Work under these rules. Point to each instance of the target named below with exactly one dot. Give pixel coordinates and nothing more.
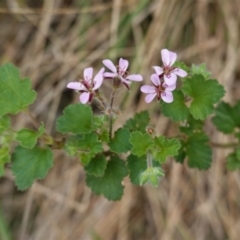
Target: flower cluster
(163, 80)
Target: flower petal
(170, 79)
(135, 77)
(155, 79)
(172, 58)
(167, 96)
(158, 70)
(165, 57)
(123, 64)
(169, 88)
(150, 97)
(110, 75)
(84, 97)
(108, 63)
(98, 79)
(88, 73)
(180, 72)
(148, 89)
(76, 85)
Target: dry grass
(52, 41)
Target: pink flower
(88, 85)
(120, 72)
(168, 71)
(159, 90)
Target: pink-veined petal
(148, 89)
(76, 85)
(172, 58)
(88, 74)
(110, 75)
(150, 97)
(123, 64)
(170, 79)
(98, 79)
(155, 79)
(109, 64)
(165, 57)
(167, 96)
(169, 88)
(158, 70)
(135, 77)
(84, 97)
(180, 72)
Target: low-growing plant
(134, 149)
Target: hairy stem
(33, 119)
(149, 160)
(224, 145)
(110, 115)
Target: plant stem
(33, 119)
(224, 145)
(149, 160)
(110, 114)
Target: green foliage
(4, 158)
(101, 127)
(204, 94)
(85, 146)
(227, 118)
(198, 151)
(200, 69)
(192, 125)
(138, 123)
(96, 166)
(181, 153)
(177, 110)
(30, 164)
(120, 143)
(15, 93)
(151, 175)
(136, 166)
(233, 160)
(165, 147)
(110, 184)
(28, 138)
(141, 143)
(76, 119)
(4, 123)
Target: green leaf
(200, 69)
(192, 125)
(4, 124)
(141, 143)
(181, 154)
(110, 184)
(120, 143)
(4, 158)
(97, 166)
(227, 118)
(15, 93)
(138, 123)
(28, 138)
(136, 166)
(152, 176)
(76, 119)
(233, 160)
(198, 151)
(164, 148)
(30, 164)
(204, 94)
(177, 110)
(85, 146)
